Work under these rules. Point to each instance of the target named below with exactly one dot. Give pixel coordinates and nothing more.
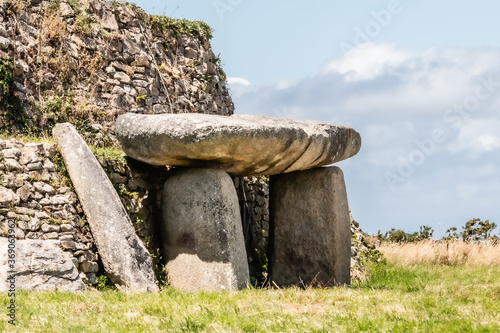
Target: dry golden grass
(442, 253)
(54, 29)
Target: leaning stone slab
(310, 234)
(125, 259)
(241, 145)
(202, 232)
(39, 265)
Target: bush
(475, 230)
(400, 236)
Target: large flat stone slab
(241, 145)
(310, 234)
(202, 232)
(39, 265)
(126, 261)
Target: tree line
(474, 230)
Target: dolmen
(310, 237)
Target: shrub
(475, 230)
(400, 236)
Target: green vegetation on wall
(9, 102)
(180, 26)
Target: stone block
(202, 231)
(310, 236)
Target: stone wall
(363, 251)
(253, 194)
(86, 61)
(35, 193)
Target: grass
(180, 26)
(109, 153)
(24, 138)
(422, 298)
(442, 253)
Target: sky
(419, 80)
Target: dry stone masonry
(51, 229)
(86, 61)
(253, 195)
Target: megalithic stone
(126, 261)
(203, 236)
(310, 234)
(240, 145)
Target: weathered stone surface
(66, 10)
(310, 228)
(125, 258)
(8, 197)
(4, 43)
(24, 192)
(43, 188)
(240, 145)
(109, 21)
(40, 265)
(202, 231)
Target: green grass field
(393, 299)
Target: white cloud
(477, 136)
(381, 79)
(238, 86)
(395, 98)
(283, 85)
(238, 80)
(367, 61)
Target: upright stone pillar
(125, 258)
(202, 231)
(310, 235)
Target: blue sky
(420, 80)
